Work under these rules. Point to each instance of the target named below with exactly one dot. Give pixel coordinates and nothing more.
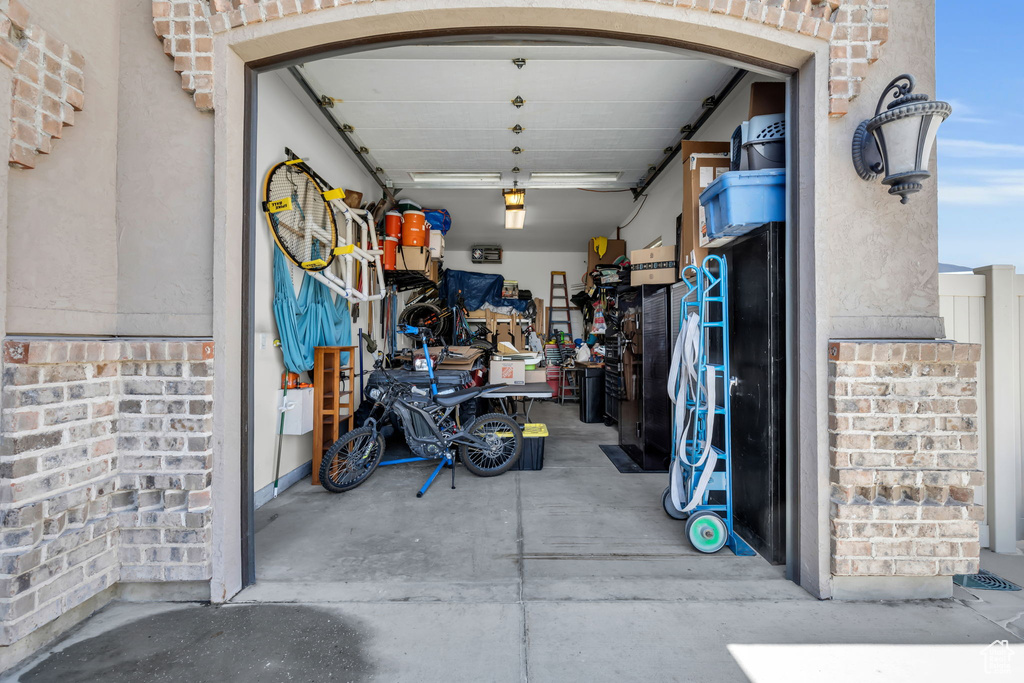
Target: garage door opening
(613, 145)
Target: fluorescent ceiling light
(581, 177)
(440, 177)
(515, 219)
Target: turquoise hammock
(314, 319)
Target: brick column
(106, 467)
(904, 459)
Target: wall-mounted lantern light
(898, 141)
(515, 207)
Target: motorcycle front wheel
(351, 460)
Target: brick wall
(49, 84)
(105, 471)
(856, 29)
(904, 458)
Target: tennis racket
(299, 215)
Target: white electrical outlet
(263, 341)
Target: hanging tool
(283, 407)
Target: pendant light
(515, 207)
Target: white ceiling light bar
(460, 178)
(575, 178)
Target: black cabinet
(645, 421)
(756, 297)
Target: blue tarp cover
(476, 289)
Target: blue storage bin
(739, 201)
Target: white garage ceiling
(447, 108)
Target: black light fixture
(898, 141)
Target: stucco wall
(284, 121)
(62, 258)
(165, 191)
(882, 267)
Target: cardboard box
(463, 357)
(653, 266)
(512, 333)
(699, 169)
(767, 98)
(616, 248)
(434, 271)
(507, 372)
(414, 258)
(540, 375)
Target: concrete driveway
(572, 573)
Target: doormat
(623, 463)
(986, 581)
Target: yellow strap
(336, 193)
(293, 161)
(315, 263)
(338, 251)
(279, 205)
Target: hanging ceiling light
(898, 141)
(515, 207)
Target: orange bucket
(393, 224)
(390, 252)
(414, 229)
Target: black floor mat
(623, 463)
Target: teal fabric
(316, 318)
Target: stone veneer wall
(904, 458)
(105, 471)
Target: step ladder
(559, 310)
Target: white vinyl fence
(987, 307)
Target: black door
(756, 291)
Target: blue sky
(979, 59)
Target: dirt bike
(488, 446)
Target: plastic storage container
(532, 457)
(765, 143)
(436, 245)
(739, 201)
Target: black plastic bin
(591, 394)
(532, 457)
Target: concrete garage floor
(572, 573)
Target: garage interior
(613, 145)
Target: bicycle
(489, 446)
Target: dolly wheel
(670, 509)
(707, 531)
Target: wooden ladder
(560, 303)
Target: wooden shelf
(329, 375)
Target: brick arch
(48, 84)
(855, 30)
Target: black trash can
(591, 394)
